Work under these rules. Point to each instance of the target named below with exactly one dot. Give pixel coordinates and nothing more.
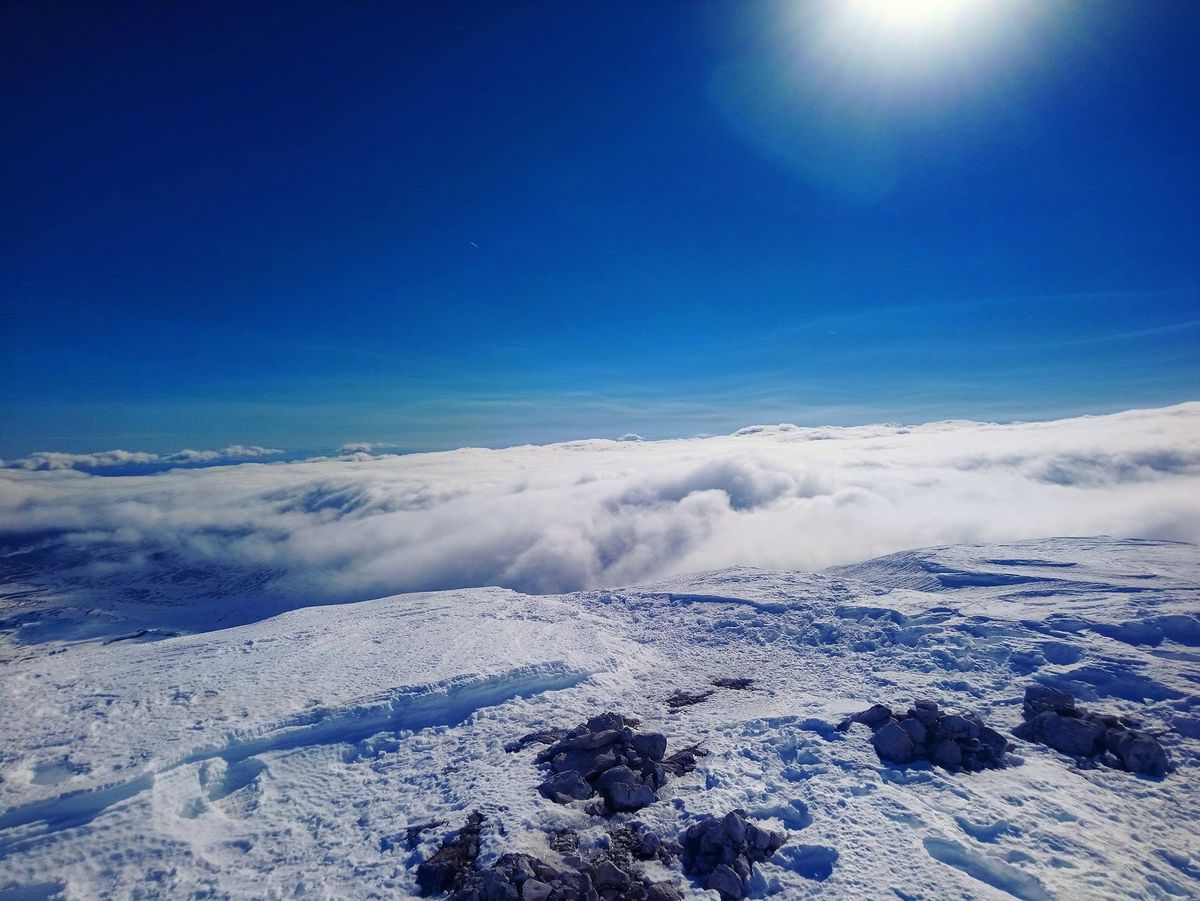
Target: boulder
(873, 716)
(721, 853)
(623, 796)
(450, 865)
(1073, 736)
(952, 741)
(893, 743)
(535, 890)
(1044, 697)
(947, 754)
(960, 728)
(1052, 718)
(916, 729)
(651, 745)
(565, 787)
(1141, 753)
(605, 751)
(663, 891)
(925, 711)
(726, 882)
(609, 876)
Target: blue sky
(443, 224)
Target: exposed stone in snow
(605, 756)
(721, 852)
(1052, 718)
(952, 742)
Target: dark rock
(588, 741)
(412, 834)
(996, 743)
(916, 729)
(609, 876)
(565, 787)
(739, 683)
(873, 718)
(651, 745)
(634, 841)
(959, 727)
(683, 761)
(654, 775)
(609, 873)
(544, 737)
(663, 891)
(1052, 718)
(606, 721)
(624, 796)
(454, 861)
(1141, 753)
(893, 743)
(1043, 697)
(947, 754)
(1074, 736)
(726, 882)
(584, 761)
(721, 853)
(617, 774)
(687, 699)
(535, 890)
(926, 712)
(951, 741)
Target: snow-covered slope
(287, 757)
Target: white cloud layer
(134, 460)
(600, 512)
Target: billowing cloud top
(602, 512)
(131, 462)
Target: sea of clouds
(605, 513)
(125, 462)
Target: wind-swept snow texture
(84, 555)
(287, 757)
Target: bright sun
(914, 16)
(890, 37)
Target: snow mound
(329, 750)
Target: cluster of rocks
(1053, 719)
(683, 698)
(454, 861)
(721, 852)
(951, 741)
(606, 875)
(605, 757)
(521, 877)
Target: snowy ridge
(288, 756)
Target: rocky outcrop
(721, 853)
(951, 741)
(453, 864)
(683, 698)
(542, 737)
(605, 757)
(1053, 718)
(611, 873)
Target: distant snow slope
(286, 757)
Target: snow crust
(286, 757)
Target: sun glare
(919, 38)
(912, 15)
